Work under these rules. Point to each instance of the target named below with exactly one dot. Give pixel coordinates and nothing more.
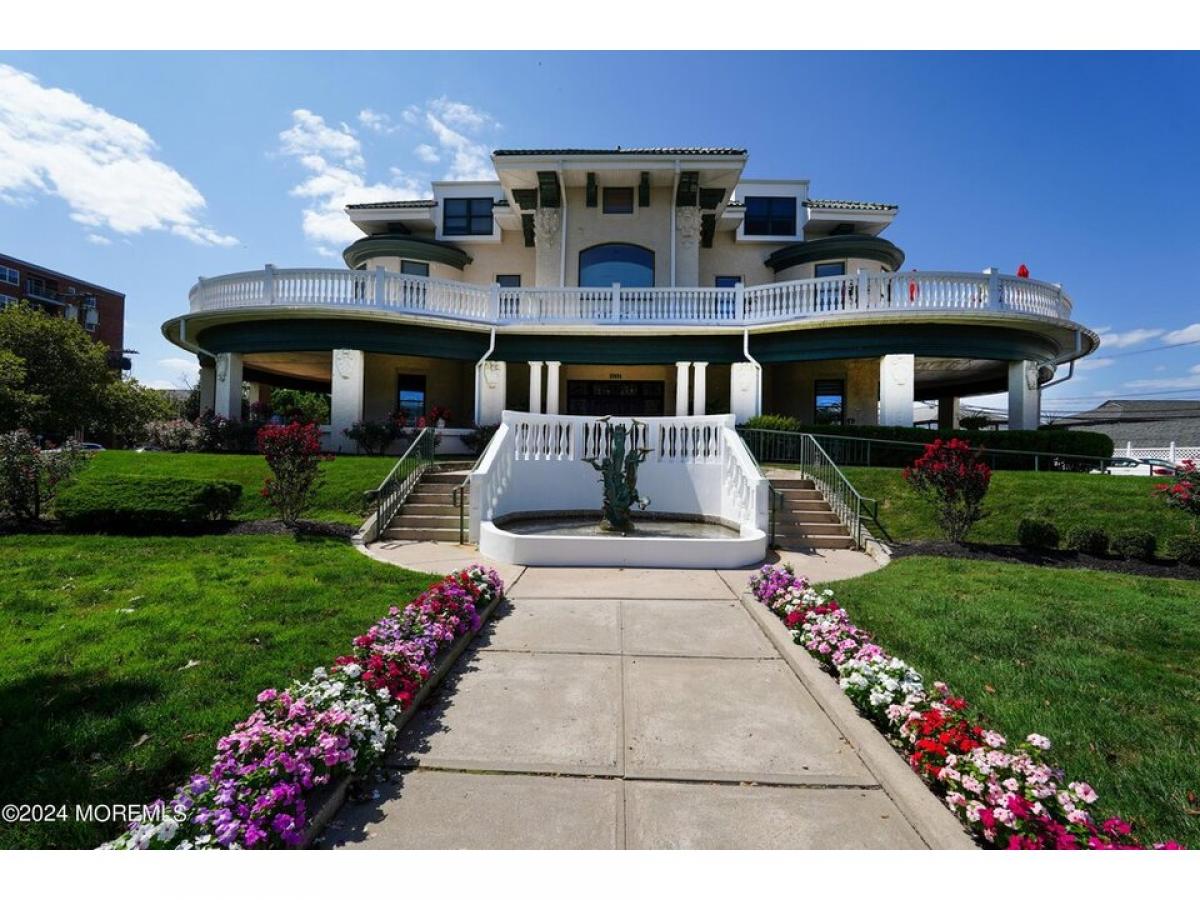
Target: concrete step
(432, 509)
(806, 529)
(799, 506)
(815, 542)
(449, 535)
(792, 494)
(792, 483)
(807, 515)
(431, 493)
(445, 476)
(408, 519)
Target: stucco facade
(656, 281)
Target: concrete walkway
(627, 708)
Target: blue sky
(165, 166)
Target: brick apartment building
(100, 310)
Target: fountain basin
(659, 541)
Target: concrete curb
(329, 799)
(935, 824)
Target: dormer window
(775, 216)
(467, 215)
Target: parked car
(91, 445)
(1123, 465)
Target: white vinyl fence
(1172, 452)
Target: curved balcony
(890, 294)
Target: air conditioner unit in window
(91, 317)
(71, 312)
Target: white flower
(1042, 743)
(352, 670)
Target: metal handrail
(843, 497)
(764, 443)
(459, 493)
(399, 482)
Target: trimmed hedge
(145, 501)
(1037, 534)
(1048, 441)
(1134, 543)
(1185, 547)
(1087, 539)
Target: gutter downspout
(478, 366)
(1060, 359)
(758, 369)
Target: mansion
(632, 282)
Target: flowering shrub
(374, 436)
(950, 476)
(293, 454)
(1006, 797)
(30, 476)
(176, 435)
(439, 414)
(338, 723)
(1183, 490)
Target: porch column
(681, 388)
(896, 389)
(743, 391)
(947, 412)
(552, 387)
(228, 400)
(255, 392)
(346, 396)
(208, 388)
(1024, 396)
(699, 387)
(535, 386)
(491, 390)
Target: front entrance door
(615, 398)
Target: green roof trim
(838, 246)
(405, 246)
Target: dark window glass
(607, 264)
(410, 396)
(508, 280)
(467, 215)
(771, 216)
(10, 276)
(728, 281)
(825, 270)
(408, 267)
(618, 200)
(830, 402)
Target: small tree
(1183, 490)
(950, 477)
(30, 476)
(293, 454)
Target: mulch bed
(1060, 559)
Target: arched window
(626, 264)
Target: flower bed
(299, 741)
(1006, 795)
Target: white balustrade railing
(863, 292)
(697, 465)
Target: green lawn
(1066, 498)
(1104, 665)
(124, 659)
(338, 500)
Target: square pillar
(535, 386)
(681, 387)
(346, 397)
(552, 387)
(491, 390)
(947, 413)
(743, 391)
(1024, 396)
(228, 390)
(896, 389)
(699, 388)
(208, 388)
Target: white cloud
(376, 121)
(427, 153)
(52, 142)
(180, 365)
(336, 177)
(1116, 339)
(99, 239)
(1090, 362)
(1183, 335)
(1191, 380)
(337, 170)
